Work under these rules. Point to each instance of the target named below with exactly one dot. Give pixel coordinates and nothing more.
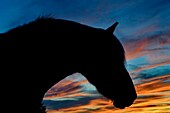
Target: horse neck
(49, 77)
(35, 88)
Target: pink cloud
(147, 45)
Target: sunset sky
(144, 30)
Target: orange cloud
(154, 85)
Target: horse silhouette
(38, 54)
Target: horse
(38, 54)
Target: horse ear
(112, 28)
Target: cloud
(148, 90)
(156, 45)
(75, 85)
(96, 105)
(154, 85)
(154, 72)
(65, 87)
(149, 96)
(63, 104)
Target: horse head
(109, 73)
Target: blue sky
(143, 29)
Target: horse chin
(122, 105)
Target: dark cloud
(154, 72)
(60, 104)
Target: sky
(144, 32)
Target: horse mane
(43, 21)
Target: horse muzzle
(122, 103)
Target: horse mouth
(122, 105)
(124, 101)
